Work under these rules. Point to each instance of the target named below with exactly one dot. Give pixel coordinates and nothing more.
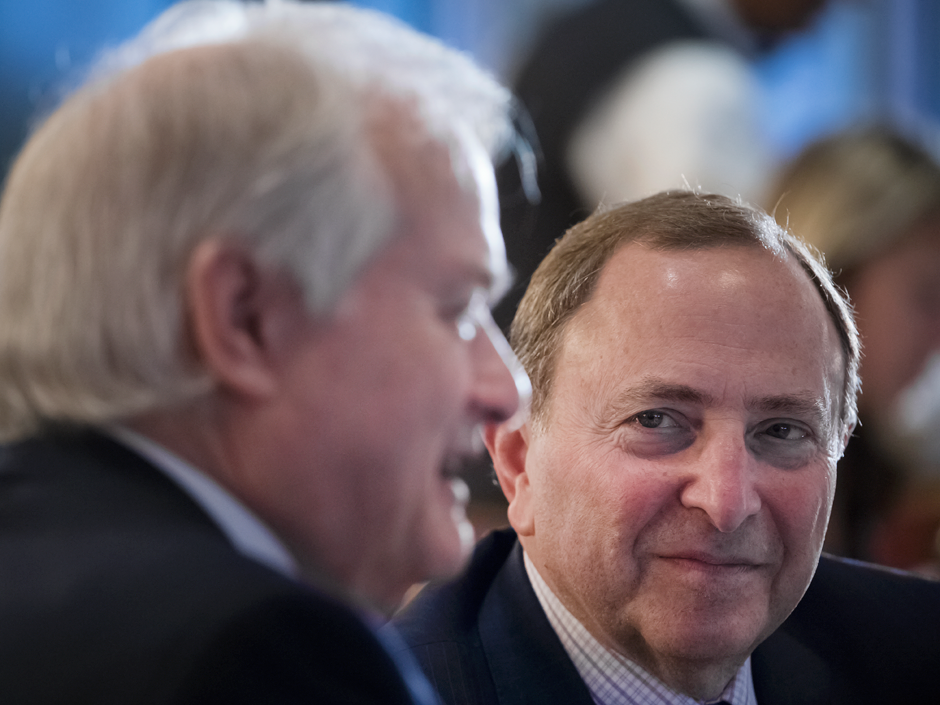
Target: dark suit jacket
(115, 587)
(860, 635)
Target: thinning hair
(669, 221)
(222, 119)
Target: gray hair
(221, 119)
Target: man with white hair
(244, 282)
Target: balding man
(694, 374)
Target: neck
(192, 433)
(702, 681)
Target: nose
(500, 381)
(722, 483)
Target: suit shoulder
(874, 628)
(116, 587)
(442, 625)
(296, 646)
(873, 599)
(448, 610)
(854, 582)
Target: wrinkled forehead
(730, 297)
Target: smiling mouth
(451, 474)
(461, 492)
(711, 564)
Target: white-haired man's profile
(244, 275)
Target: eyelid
(677, 418)
(657, 441)
(806, 427)
(784, 453)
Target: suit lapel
(526, 659)
(787, 673)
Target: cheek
(422, 389)
(594, 508)
(800, 504)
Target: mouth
(459, 499)
(452, 470)
(464, 454)
(703, 561)
(452, 467)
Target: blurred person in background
(245, 272)
(869, 200)
(627, 98)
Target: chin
(715, 641)
(450, 548)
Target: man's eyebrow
(800, 404)
(652, 388)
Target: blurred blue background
(861, 59)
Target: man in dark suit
(694, 374)
(244, 276)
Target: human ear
(509, 448)
(235, 308)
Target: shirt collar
(241, 526)
(613, 679)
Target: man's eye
(784, 444)
(655, 433)
(786, 431)
(655, 419)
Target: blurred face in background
(897, 304)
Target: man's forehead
(635, 267)
(721, 302)
(795, 401)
